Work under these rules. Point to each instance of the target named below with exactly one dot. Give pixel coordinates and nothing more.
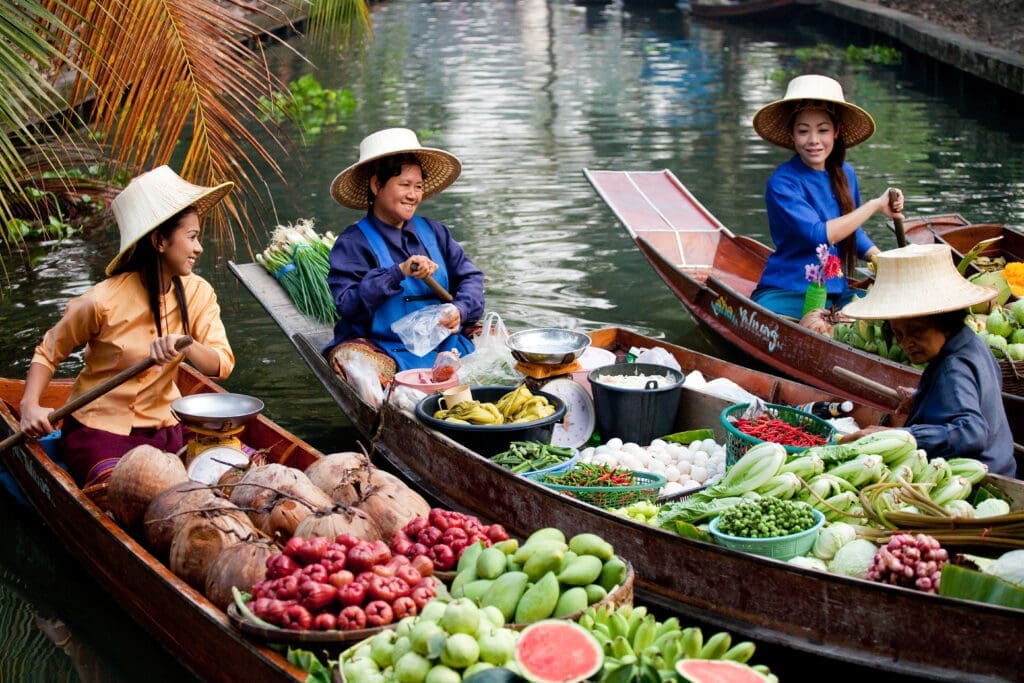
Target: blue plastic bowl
(556, 469)
(777, 547)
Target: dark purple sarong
(91, 454)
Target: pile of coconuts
(216, 537)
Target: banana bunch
(630, 637)
(522, 405)
(870, 336)
(472, 412)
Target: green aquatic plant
(872, 54)
(311, 107)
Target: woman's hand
(895, 210)
(35, 421)
(418, 267)
(451, 318)
(162, 350)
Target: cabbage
(1009, 567)
(959, 508)
(809, 563)
(832, 538)
(854, 558)
(991, 507)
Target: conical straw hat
(440, 168)
(772, 121)
(915, 281)
(153, 197)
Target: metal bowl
(216, 412)
(547, 345)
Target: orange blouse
(115, 324)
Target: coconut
(165, 513)
(262, 489)
(343, 476)
(141, 474)
(332, 521)
(391, 504)
(203, 536)
(243, 565)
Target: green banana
(644, 636)
(618, 625)
(635, 618)
(621, 647)
(670, 625)
(716, 646)
(740, 652)
(693, 641)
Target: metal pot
(216, 412)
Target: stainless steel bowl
(216, 412)
(547, 345)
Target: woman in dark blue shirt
(957, 409)
(814, 198)
(379, 264)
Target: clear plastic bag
(491, 361)
(446, 365)
(421, 331)
(364, 379)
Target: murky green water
(528, 94)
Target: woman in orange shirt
(150, 300)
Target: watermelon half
(717, 671)
(558, 651)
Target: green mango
(996, 323)
(584, 569)
(539, 601)
(505, 593)
(613, 573)
(571, 601)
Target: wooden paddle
(93, 394)
(897, 223)
(888, 392)
(441, 292)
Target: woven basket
(610, 497)
(778, 547)
(1013, 376)
(737, 443)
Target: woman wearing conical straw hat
(814, 199)
(380, 264)
(150, 301)
(957, 409)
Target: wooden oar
(441, 292)
(897, 223)
(93, 394)
(869, 383)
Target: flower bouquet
(827, 267)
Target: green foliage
(823, 58)
(309, 106)
(873, 54)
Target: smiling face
(178, 253)
(396, 200)
(814, 136)
(920, 338)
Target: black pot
(488, 440)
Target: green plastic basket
(737, 443)
(610, 497)
(777, 547)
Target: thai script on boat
(768, 332)
(722, 309)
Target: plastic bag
(657, 356)
(421, 331)
(491, 362)
(446, 365)
(364, 379)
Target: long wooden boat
(713, 272)
(962, 236)
(188, 625)
(841, 619)
(761, 10)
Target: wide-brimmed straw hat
(773, 121)
(440, 168)
(915, 281)
(153, 197)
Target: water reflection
(527, 94)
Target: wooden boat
(841, 619)
(962, 236)
(713, 272)
(760, 10)
(188, 625)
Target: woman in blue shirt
(957, 409)
(379, 264)
(814, 198)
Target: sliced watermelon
(717, 671)
(558, 651)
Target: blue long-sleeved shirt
(800, 202)
(359, 287)
(957, 410)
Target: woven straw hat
(915, 281)
(772, 121)
(152, 198)
(440, 169)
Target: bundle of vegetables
(297, 257)
(872, 337)
(530, 456)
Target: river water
(526, 94)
